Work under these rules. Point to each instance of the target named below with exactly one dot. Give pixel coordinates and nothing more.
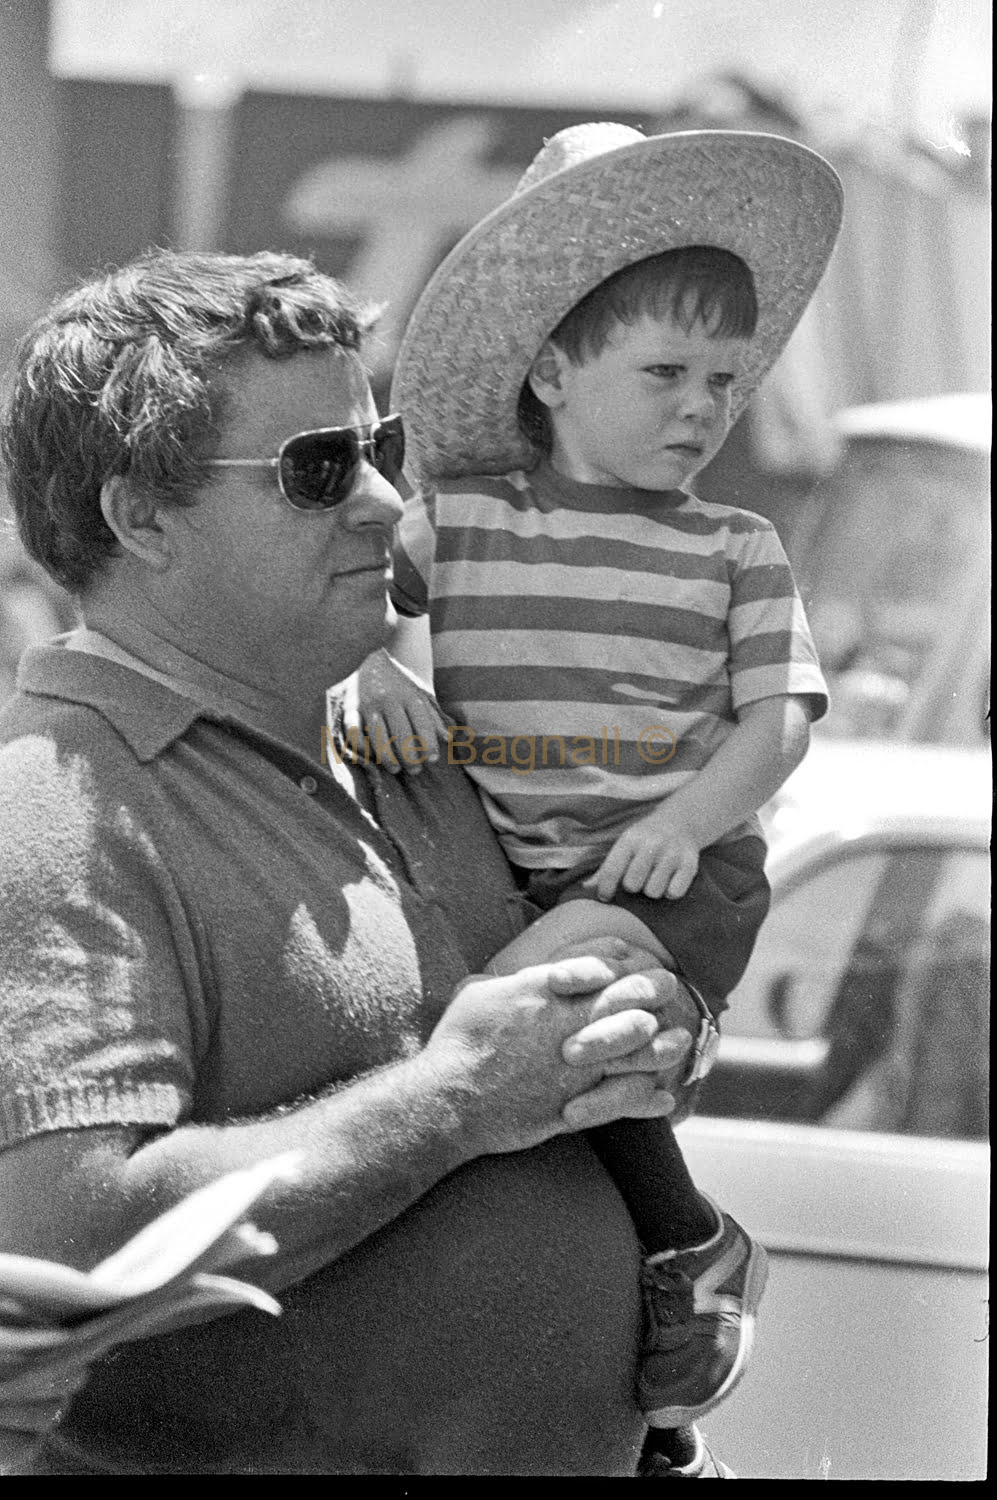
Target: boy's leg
(645, 1161)
(703, 1276)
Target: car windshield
(866, 1003)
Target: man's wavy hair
(120, 377)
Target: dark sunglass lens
(316, 469)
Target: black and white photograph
(495, 772)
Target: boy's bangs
(700, 283)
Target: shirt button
(308, 784)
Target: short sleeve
(415, 548)
(772, 652)
(96, 1024)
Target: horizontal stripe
(764, 581)
(602, 580)
(603, 692)
(524, 510)
(569, 648)
(537, 794)
(660, 623)
(597, 547)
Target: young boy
(578, 358)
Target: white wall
(920, 62)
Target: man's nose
(373, 500)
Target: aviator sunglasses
(316, 470)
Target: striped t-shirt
(595, 645)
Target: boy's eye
(722, 380)
(664, 372)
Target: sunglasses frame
(365, 436)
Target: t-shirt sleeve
(96, 1024)
(772, 652)
(414, 550)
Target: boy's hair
(120, 377)
(695, 284)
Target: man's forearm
(367, 1151)
(497, 1075)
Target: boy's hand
(403, 722)
(657, 855)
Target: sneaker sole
(754, 1287)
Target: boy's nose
(698, 400)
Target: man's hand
(403, 722)
(656, 855)
(562, 1047)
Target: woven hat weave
(596, 198)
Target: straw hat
(596, 198)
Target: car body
(845, 1123)
(871, 1355)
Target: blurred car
(866, 1003)
(871, 1353)
(895, 567)
(845, 1123)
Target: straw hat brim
(486, 312)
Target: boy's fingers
(658, 881)
(682, 879)
(429, 726)
(639, 870)
(608, 876)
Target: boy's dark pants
(710, 932)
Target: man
(221, 943)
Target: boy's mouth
(686, 450)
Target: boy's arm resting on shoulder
(390, 699)
(659, 854)
(512, 1062)
(411, 647)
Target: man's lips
(381, 566)
(692, 450)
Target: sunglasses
(317, 470)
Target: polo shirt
(199, 924)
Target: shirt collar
(148, 715)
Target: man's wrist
(705, 1041)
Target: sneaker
(699, 1322)
(679, 1453)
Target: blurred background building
(372, 133)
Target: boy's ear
(132, 514)
(545, 375)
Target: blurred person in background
(220, 943)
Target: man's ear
(545, 375)
(131, 514)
